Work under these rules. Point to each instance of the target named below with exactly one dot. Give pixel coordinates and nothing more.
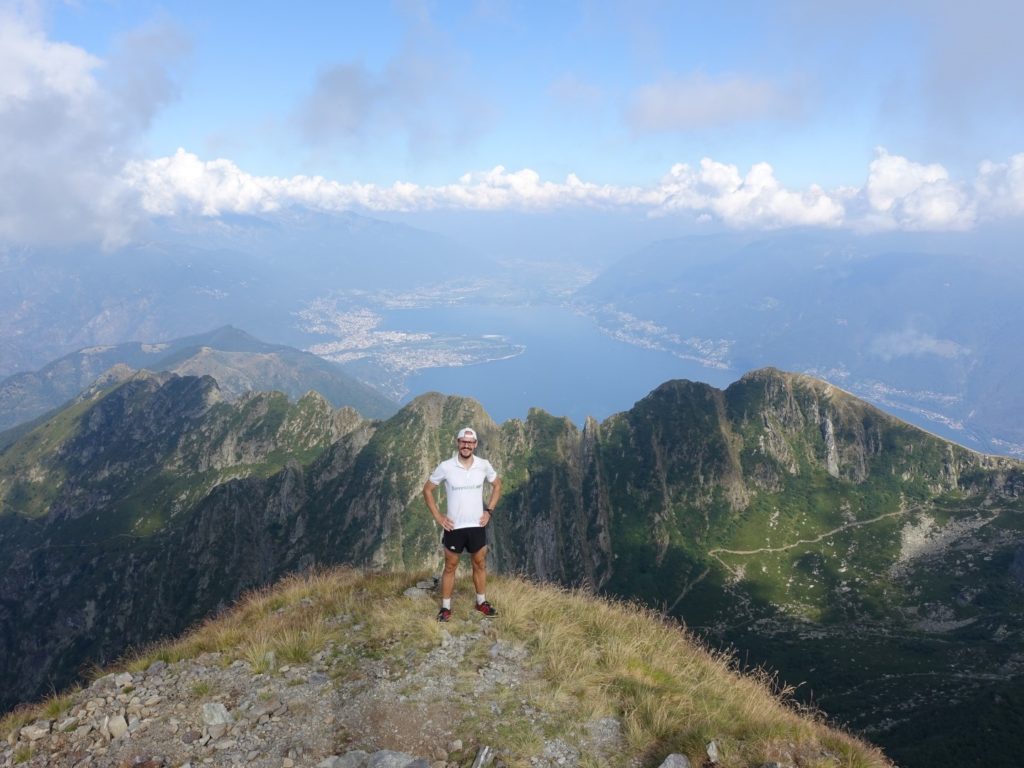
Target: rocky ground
(349, 706)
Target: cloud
(1000, 186)
(756, 199)
(68, 122)
(185, 184)
(899, 194)
(680, 104)
(422, 97)
(907, 195)
(342, 105)
(911, 343)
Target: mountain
(926, 327)
(875, 566)
(344, 668)
(255, 272)
(239, 362)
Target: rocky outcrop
(208, 709)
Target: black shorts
(470, 539)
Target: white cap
(466, 433)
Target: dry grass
(18, 718)
(672, 694)
(595, 657)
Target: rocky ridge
(239, 362)
(354, 701)
(204, 711)
(777, 515)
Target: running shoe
(487, 609)
(444, 614)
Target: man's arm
(495, 496)
(428, 496)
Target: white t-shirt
(464, 489)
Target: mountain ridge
(910, 323)
(239, 361)
(346, 668)
(768, 516)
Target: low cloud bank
(898, 194)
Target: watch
(488, 510)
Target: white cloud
(30, 64)
(907, 195)
(899, 194)
(1000, 186)
(754, 200)
(185, 184)
(68, 121)
(697, 102)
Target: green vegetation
(33, 480)
(57, 706)
(857, 556)
(22, 754)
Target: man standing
(465, 524)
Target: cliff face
(781, 504)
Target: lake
(570, 368)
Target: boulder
(36, 731)
(117, 726)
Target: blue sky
(867, 115)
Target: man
(466, 522)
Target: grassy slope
(593, 657)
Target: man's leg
(451, 564)
(480, 570)
(480, 582)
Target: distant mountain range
(877, 566)
(927, 327)
(239, 362)
(251, 272)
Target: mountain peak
(348, 667)
(438, 410)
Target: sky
(900, 115)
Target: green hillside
(876, 567)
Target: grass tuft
(58, 705)
(17, 719)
